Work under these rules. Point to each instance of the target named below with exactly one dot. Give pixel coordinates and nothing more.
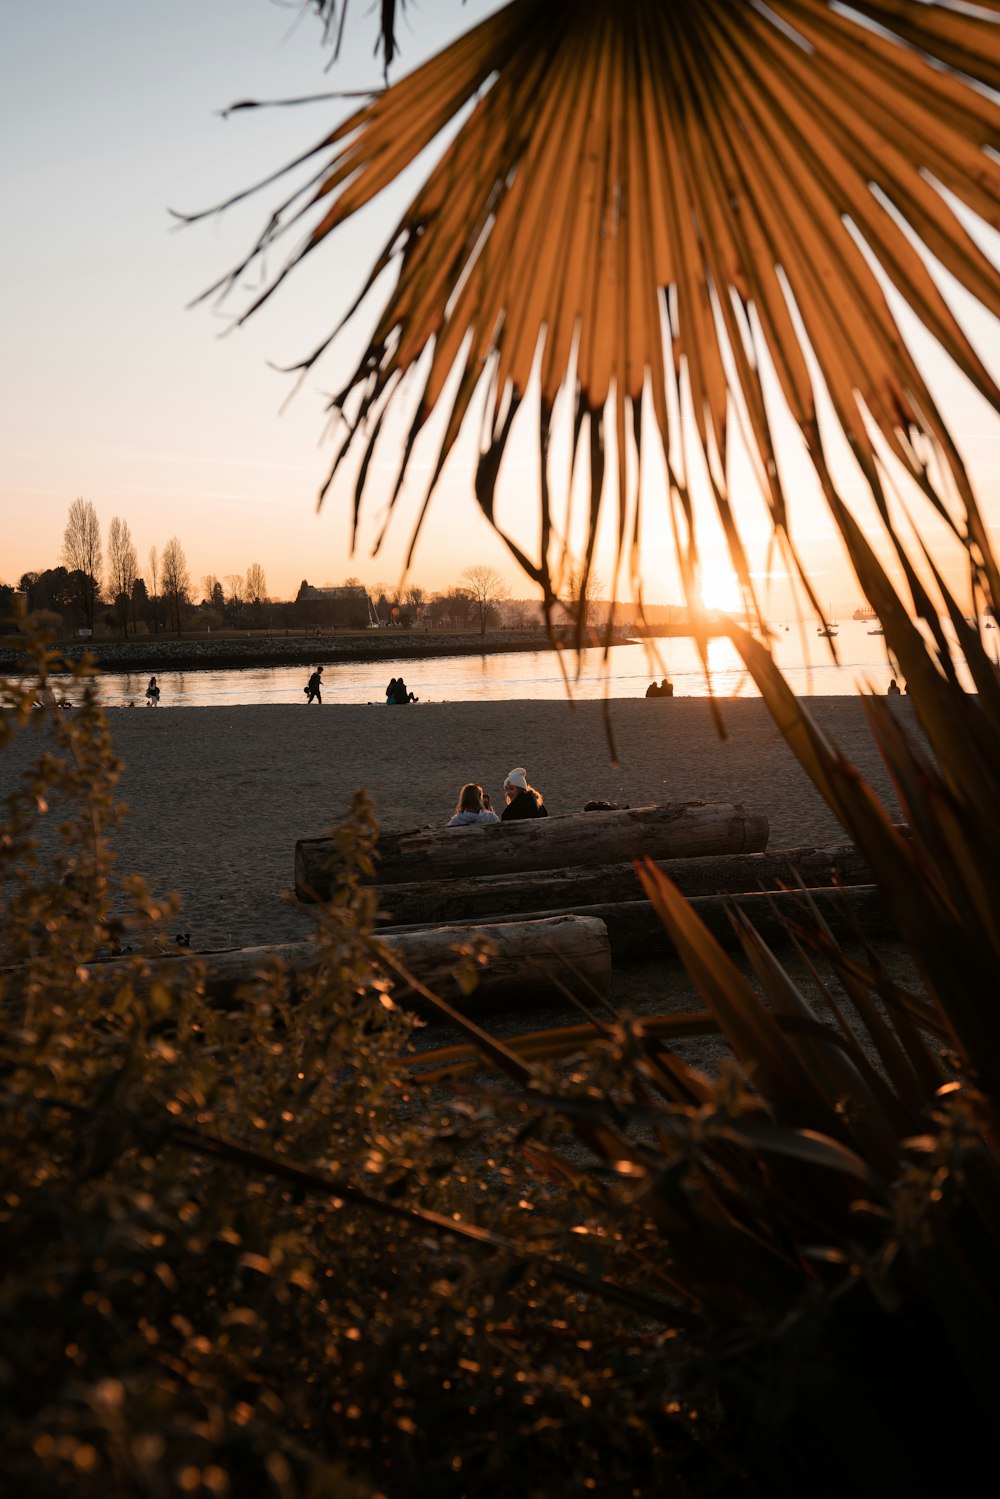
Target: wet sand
(218, 796)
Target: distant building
(348, 606)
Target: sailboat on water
(829, 627)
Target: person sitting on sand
(313, 687)
(47, 699)
(893, 689)
(665, 689)
(473, 806)
(396, 693)
(522, 800)
(152, 694)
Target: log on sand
(636, 932)
(533, 960)
(554, 952)
(495, 896)
(682, 830)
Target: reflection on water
(527, 674)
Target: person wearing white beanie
(522, 800)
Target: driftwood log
(681, 830)
(635, 930)
(495, 896)
(531, 961)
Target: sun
(720, 589)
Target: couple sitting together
(398, 695)
(522, 801)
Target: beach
(218, 796)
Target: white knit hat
(518, 777)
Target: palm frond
(658, 203)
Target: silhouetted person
(893, 690)
(152, 694)
(396, 693)
(313, 686)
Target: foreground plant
(242, 1251)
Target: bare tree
(176, 582)
(256, 587)
(416, 596)
(82, 554)
(123, 568)
(487, 589)
(209, 583)
(237, 595)
(154, 585)
(583, 593)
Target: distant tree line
(100, 586)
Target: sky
(115, 389)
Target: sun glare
(720, 590)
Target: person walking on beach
(473, 806)
(522, 800)
(312, 687)
(152, 694)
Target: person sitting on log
(473, 806)
(522, 800)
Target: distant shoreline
(206, 654)
(330, 649)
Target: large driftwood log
(531, 960)
(635, 931)
(495, 896)
(681, 830)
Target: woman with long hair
(473, 806)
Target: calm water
(804, 658)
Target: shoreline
(118, 657)
(122, 657)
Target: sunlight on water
(806, 662)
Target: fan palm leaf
(651, 206)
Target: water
(804, 658)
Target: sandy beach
(217, 797)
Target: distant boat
(864, 611)
(828, 628)
(879, 631)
